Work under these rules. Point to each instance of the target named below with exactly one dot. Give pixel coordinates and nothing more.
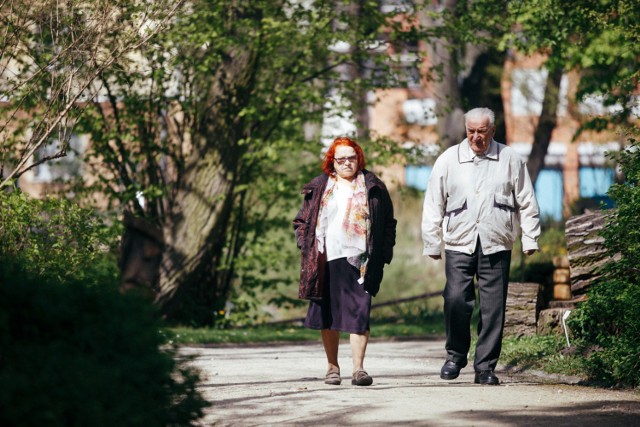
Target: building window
(396, 6)
(64, 168)
(420, 111)
(527, 91)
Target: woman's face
(345, 162)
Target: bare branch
(70, 77)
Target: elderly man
(478, 193)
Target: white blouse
(336, 210)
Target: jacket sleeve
(389, 228)
(527, 208)
(433, 210)
(301, 221)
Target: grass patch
(546, 353)
(425, 325)
(245, 335)
(428, 325)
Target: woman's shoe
(360, 377)
(333, 377)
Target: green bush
(607, 325)
(73, 350)
(55, 236)
(78, 353)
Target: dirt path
(283, 384)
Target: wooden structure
(586, 251)
(586, 255)
(561, 278)
(523, 305)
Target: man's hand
(436, 257)
(529, 252)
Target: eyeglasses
(341, 160)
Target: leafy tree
(601, 41)
(465, 65)
(203, 132)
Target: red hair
(327, 165)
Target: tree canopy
(204, 130)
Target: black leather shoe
(486, 378)
(450, 370)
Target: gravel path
(283, 385)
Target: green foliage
(55, 236)
(73, 350)
(595, 37)
(241, 335)
(607, 325)
(413, 320)
(77, 352)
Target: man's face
(479, 133)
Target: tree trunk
(482, 87)
(546, 124)
(195, 233)
(360, 103)
(446, 90)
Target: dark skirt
(345, 305)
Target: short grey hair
(481, 113)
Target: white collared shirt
(486, 196)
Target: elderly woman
(346, 232)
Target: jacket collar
(319, 181)
(465, 153)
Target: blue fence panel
(549, 192)
(595, 181)
(417, 176)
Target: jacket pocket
(505, 207)
(455, 208)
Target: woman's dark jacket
(380, 242)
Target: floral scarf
(356, 223)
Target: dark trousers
(492, 273)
